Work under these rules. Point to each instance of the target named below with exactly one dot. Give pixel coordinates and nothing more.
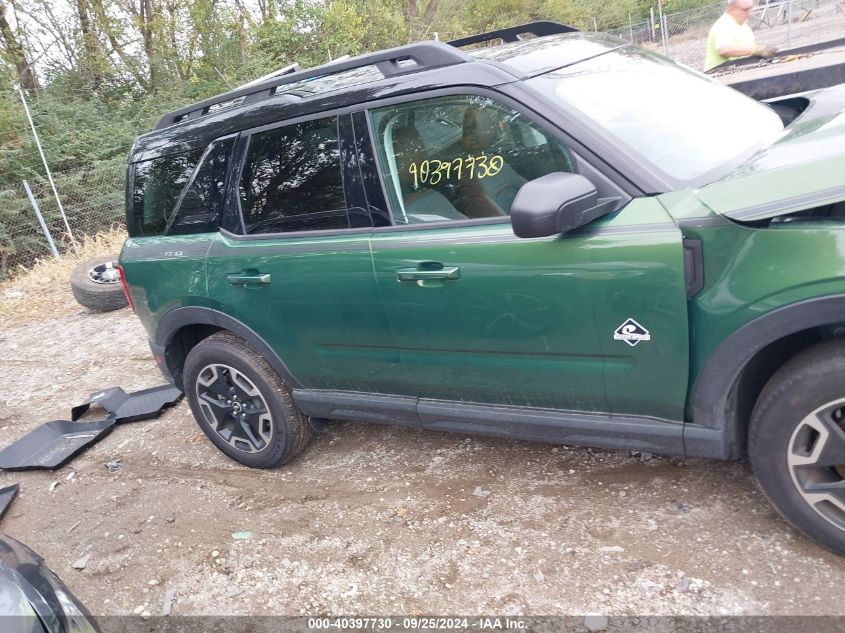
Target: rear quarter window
(156, 187)
(200, 208)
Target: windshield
(682, 122)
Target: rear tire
(796, 443)
(241, 404)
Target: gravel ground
(381, 520)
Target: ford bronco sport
(562, 238)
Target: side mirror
(553, 204)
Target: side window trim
(380, 213)
(230, 215)
(238, 173)
(394, 171)
(350, 170)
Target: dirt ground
(377, 519)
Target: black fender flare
(723, 367)
(178, 318)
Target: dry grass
(44, 289)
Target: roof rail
(286, 70)
(391, 62)
(512, 34)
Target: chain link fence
(93, 196)
(778, 23)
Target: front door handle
(247, 279)
(423, 274)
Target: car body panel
(165, 273)
(753, 271)
(804, 168)
(321, 309)
(531, 322)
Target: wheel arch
(728, 386)
(181, 329)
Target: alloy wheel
(816, 459)
(234, 407)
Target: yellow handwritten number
(432, 171)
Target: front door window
(460, 157)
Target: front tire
(796, 443)
(241, 404)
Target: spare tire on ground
(96, 284)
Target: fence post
(663, 33)
(47, 169)
(41, 220)
(651, 22)
(630, 27)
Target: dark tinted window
(201, 206)
(291, 179)
(156, 187)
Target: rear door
(591, 321)
(298, 271)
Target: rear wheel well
(761, 367)
(183, 341)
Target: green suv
(562, 238)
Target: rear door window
(291, 179)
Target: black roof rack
(513, 33)
(391, 62)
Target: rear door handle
(247, 279)
(417, 274)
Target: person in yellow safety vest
(731, 37)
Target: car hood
(805, 168)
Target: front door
(480, 315)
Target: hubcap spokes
(816, 458)
(234, 407)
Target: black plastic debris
(52, 444)
(129, 407)
(6, 495)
